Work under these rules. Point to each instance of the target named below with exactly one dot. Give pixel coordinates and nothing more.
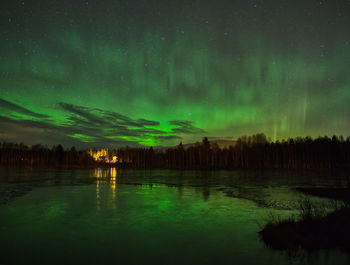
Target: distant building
(103, 155)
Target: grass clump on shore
(315, 227)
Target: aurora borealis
(116, 73)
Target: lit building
(103, 155)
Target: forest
(247, 152)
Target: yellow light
(100, 155)
(113, 172)
(114, 177)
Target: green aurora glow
(127, 72)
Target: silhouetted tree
(255, 152)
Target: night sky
(133, 72)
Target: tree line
(39, 155)
(253, 152)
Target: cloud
(87, 127)
(147, 122)
(103, 117)
(185, 127)
(83, 112)
(8, 106)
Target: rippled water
(105, 216)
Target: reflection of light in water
(98, 175)
(113, 172)
(105, 176)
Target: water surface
(105, 216)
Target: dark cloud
(83, 112)
(147, 122)
(185, 127)
(86, 127)
(103, 117)
(108, 123)
(9, 106)
(114, 115)
(29, 123)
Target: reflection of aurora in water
(166, 217)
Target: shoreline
(315, 228)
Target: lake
(110, 216)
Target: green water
(105, 216)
